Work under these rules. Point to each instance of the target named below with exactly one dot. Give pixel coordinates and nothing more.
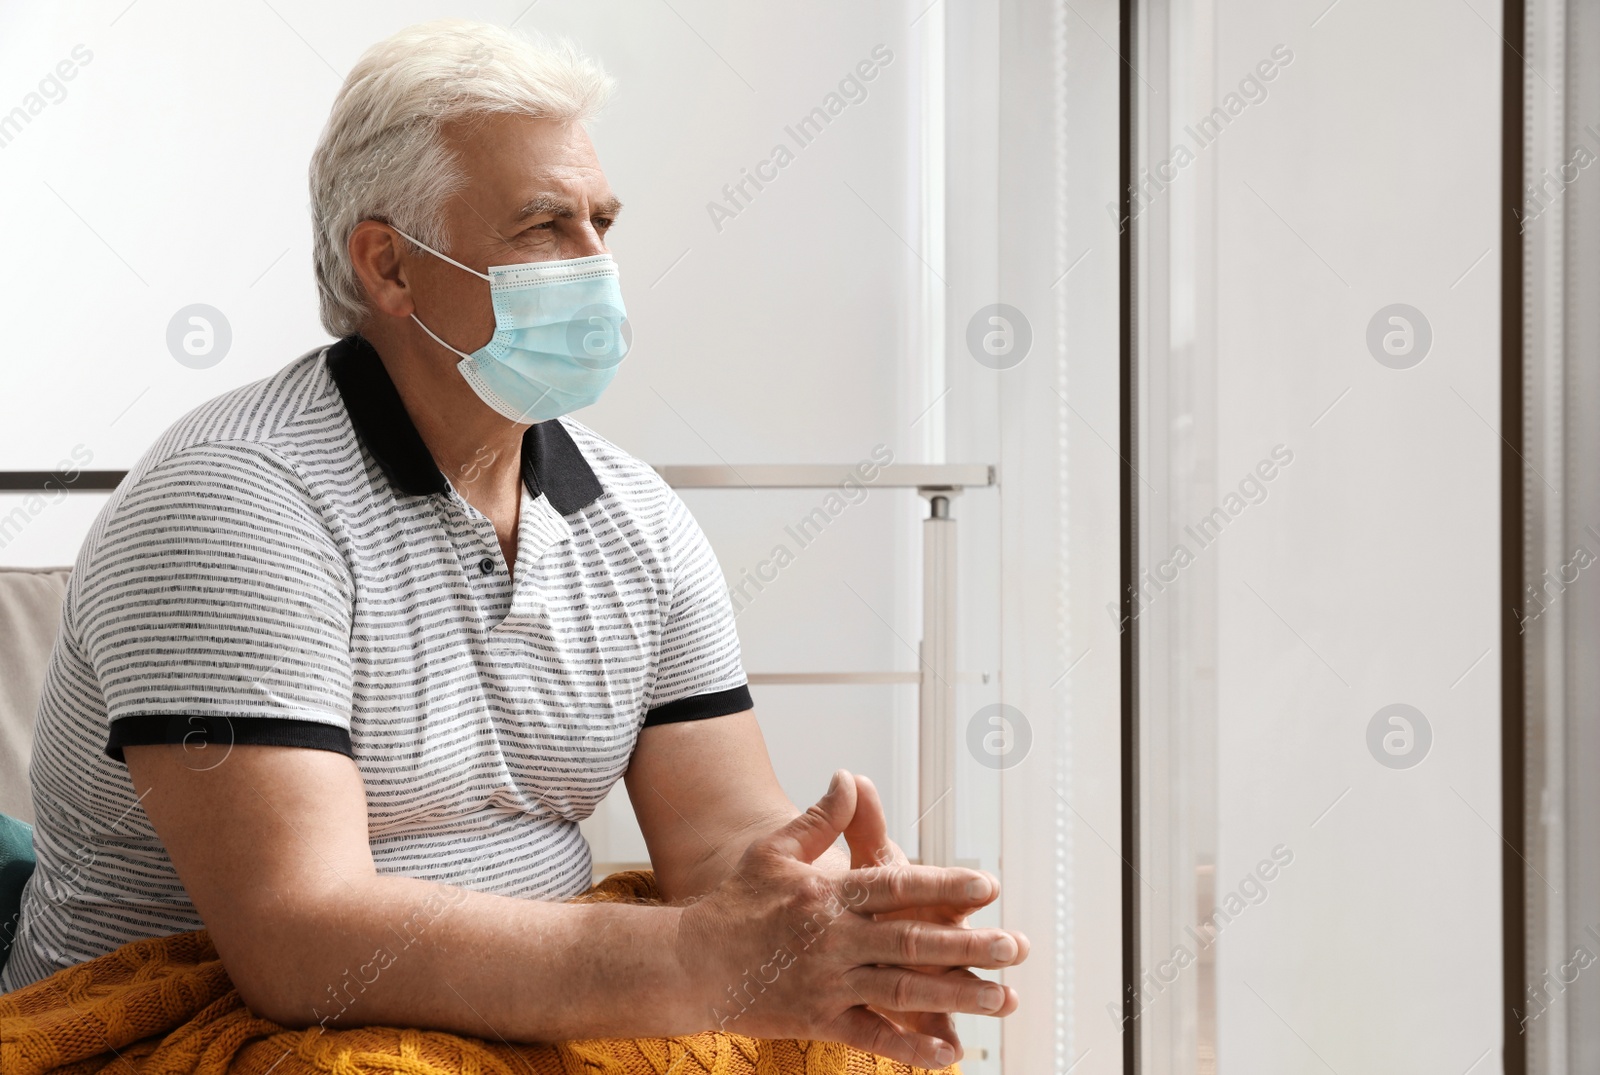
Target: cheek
(463, 305)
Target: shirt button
(486, 565)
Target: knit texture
(165, 1006)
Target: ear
(377, 252)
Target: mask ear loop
(457, 264)
(446, 257)
(437, 340)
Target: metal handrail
(936, 679)
(931, 476)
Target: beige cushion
(30, 612)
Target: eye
(602, 223)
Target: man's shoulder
(637, 498)
(276, 413)
(250, 442)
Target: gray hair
(382, 155)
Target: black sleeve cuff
(219, 734)
(700, 706)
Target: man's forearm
(403, 952)
(689, 877)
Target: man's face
(532, 191)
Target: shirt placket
(539, 530)
(483, 565)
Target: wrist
(687, 994)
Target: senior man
(375, 633)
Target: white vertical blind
(1341, 169)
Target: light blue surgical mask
(558, 336)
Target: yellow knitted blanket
(165, 1006)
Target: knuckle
(815, 889)
(763, 849)
(911, 940)
(814, 815)
(810, 908)
(870, 878)
(883, 1042)
(898, 882)
(904, 995)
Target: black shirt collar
(551, 462)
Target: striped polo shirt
(288, 565)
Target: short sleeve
(215, 602)
(699, 672)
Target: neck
(472, 444)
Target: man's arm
(702, 790)
(272, 848)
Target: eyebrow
(560, 207)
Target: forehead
(515, 165)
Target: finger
(949, 916)
(946, 916)
(870, 1032)
(868, 831)
(934, 1024)
(974, 903)
(878, 889)
(815, 830)
(902, 990)
(906, 943)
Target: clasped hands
(877, 956)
